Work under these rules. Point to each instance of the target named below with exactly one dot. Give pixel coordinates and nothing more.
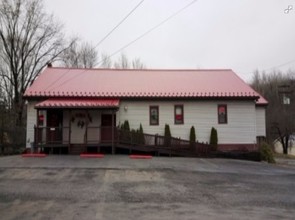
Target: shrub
(214, 138)
(125, 134)
(192, 137)
(167, 136)
(266, 153)
(140, 135)
(126, 126)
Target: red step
(135, 156)
(34, 155)
(92, 155)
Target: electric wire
(103, 39)
(133, 41)
(108, 34)
(148, 31)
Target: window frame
(176, 121)
(150, 115)
(219, 115)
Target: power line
(108, 34)
(133, 41)
(271, 68)
(103, 39)
(149, 31)
(280, 65)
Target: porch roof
(78, 103)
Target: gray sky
(243, 35)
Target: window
(178, 114)
(154, 115)
(41, 118)
(286, 99)
(222, 114)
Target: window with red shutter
(222, 114)
(178, 114)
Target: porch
(112, 140)
(58, 140)
(73, 126)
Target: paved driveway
(116, 187)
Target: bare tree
(29, 39)
(279, 90)
(122, 62)
(81, 55)
(106, 61)
(137, 64)
(88, 55)
(70, 57)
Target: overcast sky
(242, 35)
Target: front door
(106, 127)
(54, 124)
(78, 126)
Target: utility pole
(285, 93)
(2, 112)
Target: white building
(72, 107)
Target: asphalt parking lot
(116, 187)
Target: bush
(126, 126)
(214, 138)
(192, 137)
(125, 134)
(266, 153)
(141, 135)
(167, 136)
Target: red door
(106, 127)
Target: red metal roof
(78, 103)
(120, 83)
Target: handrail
(102, 134)
(161, 142)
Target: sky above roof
(241, 35)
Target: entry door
(106, 127)
(54, 124)
(78, 126)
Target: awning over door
(78, 103)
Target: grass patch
(284, 156)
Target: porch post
(70, 120)
(86, 131)
(36, 133)
(113, 136)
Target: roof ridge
(151, 69)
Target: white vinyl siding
(260, 121)
(244, 120)
(31, 122)
(240, 129)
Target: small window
(222, 114)
(178, 114)
(286, 99)
(154, 115)
(41, 118)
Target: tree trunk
(286, 144)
